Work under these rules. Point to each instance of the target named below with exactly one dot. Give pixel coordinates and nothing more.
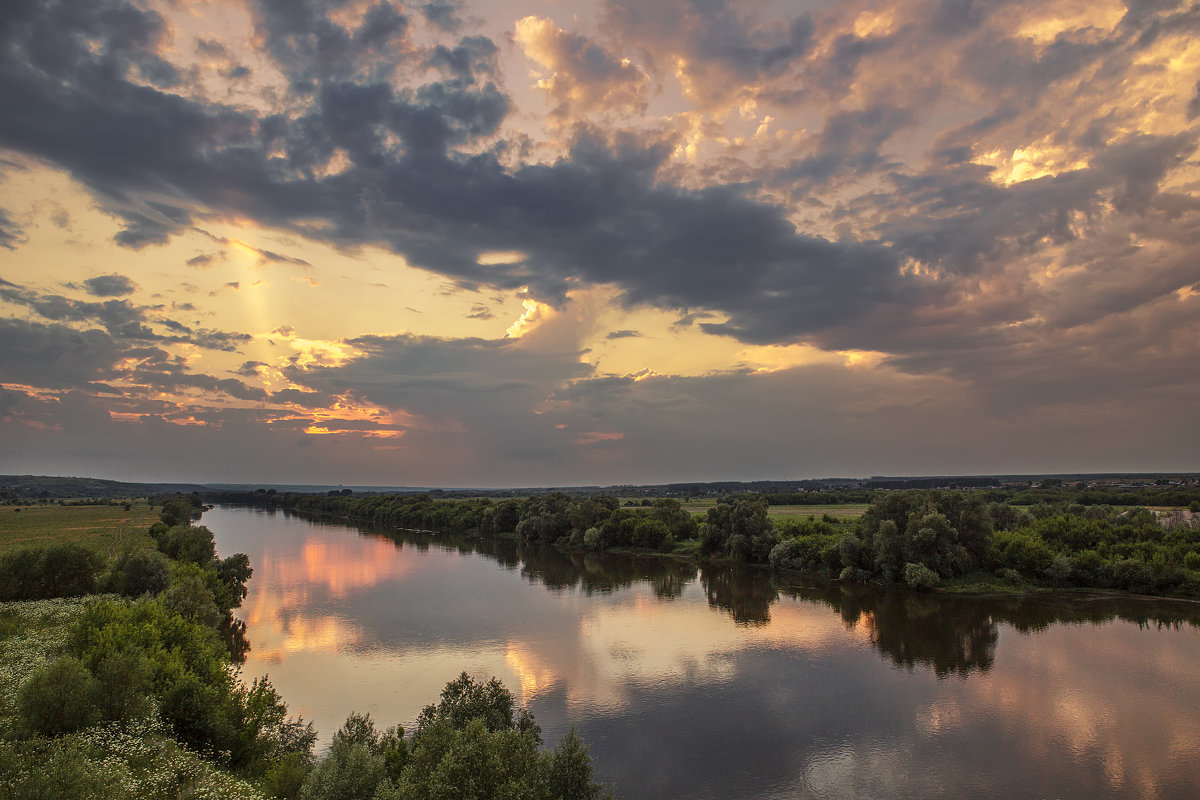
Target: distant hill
(52, 487)
(33, 487)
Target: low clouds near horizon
(648, 241)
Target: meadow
(97, 527)
(840, 510)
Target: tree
(355, 766)
(740, 527)
(679, 521)
(464, 700)
(143, 572)
(190, 596)
(189, 543)
(650, 533)
(57, 698)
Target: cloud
(580, 77)
(997, 195)
(109, 285)
(718, 52)
(206, 259)
(56, 356)
(120, 318)
(11, 234)
(311, 46)
(442, 15)
(623, 334)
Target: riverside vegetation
(976, 540)
(120, 680)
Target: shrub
(57, 698)
(1023, 552)
(651, 533)
(143, 572)
(40, 573)
(919, 576)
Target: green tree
(57, 698)
(141, 572)
(740, 527)
(190, 595)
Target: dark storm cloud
(427, 178)
(480, 312)
(56, 356)
(623, 334)
(172, 377)
(471, 59)
(109, 285)
(302, 398)
(311, 48)
(598, 215)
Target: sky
(542, 242)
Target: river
(690, 683)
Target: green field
(97, 527)
(844, 511)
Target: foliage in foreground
(472, 745)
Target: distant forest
(1053, 536)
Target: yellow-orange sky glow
(529, 243)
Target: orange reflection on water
(535, 674)
(343, 567)
(291, 584)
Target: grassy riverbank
(136, 693)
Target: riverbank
(945, 542)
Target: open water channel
(697, 683)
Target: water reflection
(720, 682)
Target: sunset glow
(593, 243)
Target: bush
(190, 596)
(122, 686)
(57, 698)
(40, 573)
(192, 544)
(919, 576)
(143, 572)
(650, 533)
(1023, 552)
(804, 554)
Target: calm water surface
(691, 683)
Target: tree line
(916, 537)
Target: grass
(97, 527)
(843, 511)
